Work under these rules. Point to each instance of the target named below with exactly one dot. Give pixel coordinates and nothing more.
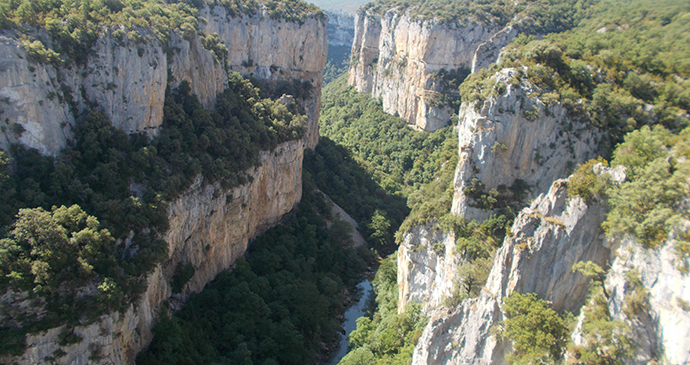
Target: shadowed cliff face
(398, 58)
(209, 226)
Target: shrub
(537, 331)
(587, 185)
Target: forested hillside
(83, 232)
(619, 66)
(91, 206)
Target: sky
(347, 5)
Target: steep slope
(127, 79)
(547, 238)
(504, 150)
(403, 60)
(210, 226)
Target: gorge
(519, 173)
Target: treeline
(540, 16)
(107, 186)
(277, 306)
(619, 70)
(74, 25)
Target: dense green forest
(80, 202)
(399, 159)
(274, 307)
(621, 65)
(536, 16)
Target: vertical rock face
(427, 267)
(514, 136)
(395, 56)
(341, 29)
(662, 331)
(209, 227)
(547, 239)
(128, 80)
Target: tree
(45, 250)
(537, 331)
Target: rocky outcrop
(398, 57)
(427, 267)
(128, 80)
(277, 51)
(341, 29)
(662, 330)
(511, 136)
(209, 228)
(546, 240)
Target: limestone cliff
(427, 267)
(513, 136)
(398, 57)
(661, 331)
(547, 239)
(341, 28)
(209, 226)
(128, 80)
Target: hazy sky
(349, 5)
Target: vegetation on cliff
(116, 187)
(649, 204)
(618, 70)
(73, 26)
(386, 337)
(538, 16)
(538, 332)
(277, 306)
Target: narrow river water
(350, 323)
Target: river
(350, 323)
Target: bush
(647, 206)
(537, 331)
(587, 185)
